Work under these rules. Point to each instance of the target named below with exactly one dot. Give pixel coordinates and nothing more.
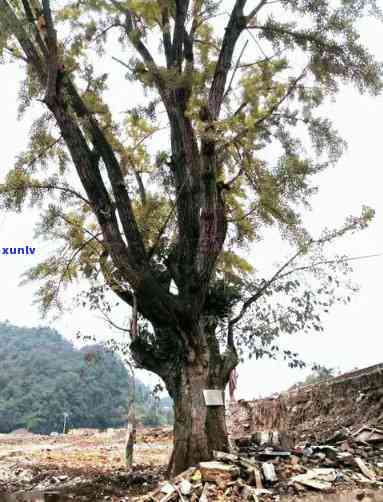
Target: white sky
(353, 333)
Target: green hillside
(42, 377)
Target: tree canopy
(243, 157)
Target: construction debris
(364, 469)
(320, 479)
(261, 469)
(269, 473)
(369, 435)
(288, 465)
(218, 472)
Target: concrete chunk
(364, 469)
(269, 472)
(218, 472)
(225, 457)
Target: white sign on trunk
(213, 397)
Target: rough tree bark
(198, 429)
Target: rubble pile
(262, 468)
(315, 411)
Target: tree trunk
(187, 371)
(130, 437)
(198, 429)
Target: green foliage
(270, 143)
(42, 376)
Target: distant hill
(42, 376)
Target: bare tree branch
(235, 70)
(278, 275)
(255, 11)
(247, 304)
(109, 321)
(328, 262)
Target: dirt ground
(85, 465)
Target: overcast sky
(353, 333)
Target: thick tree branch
(31, 18)
(13, 26)
(81, 154)
(185, 155)
(52, 59)
(186, 169)
(213, 229)
(94, 186)
(235, 26)
(141, 186)
(179, 34)
(124, 206)
(166, 37)
(135, 37)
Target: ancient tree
(159, 199)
